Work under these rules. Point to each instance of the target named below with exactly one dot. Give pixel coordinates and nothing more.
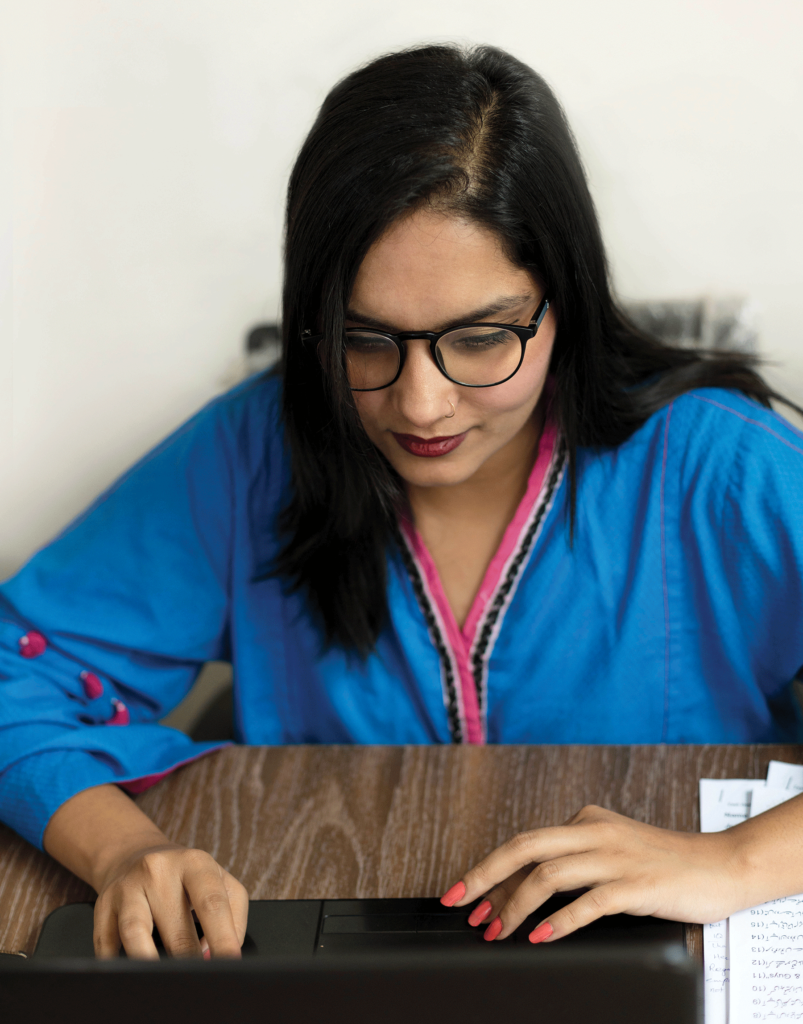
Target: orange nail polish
(478, 914)
(493, 929)
(543, 931)
(457, 892)
(207, 954)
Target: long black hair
(478, 133)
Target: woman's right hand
(161, 885)
(143, 879)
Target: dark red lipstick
(429, 447)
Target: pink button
(32, 644)
(121, 715)
(93, 687)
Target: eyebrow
(501, 305)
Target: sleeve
(105, 629)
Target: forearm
(768, 853)
(97, 829)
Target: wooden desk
(336, 822)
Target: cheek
(370, 407)
(519, 395)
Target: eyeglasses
(472, 355)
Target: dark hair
(481, 134)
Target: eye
(367, 344)
(487, 340)
(477, 339)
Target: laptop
(388, 960)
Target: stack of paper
(754, 960)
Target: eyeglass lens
(479, 356)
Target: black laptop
(349, 961)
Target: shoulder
(734, 443)
(715, 417)
(712, 426)
(719, 456)
(242, 426)
(220, 447)
(254, 405)
(706, 443)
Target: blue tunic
(675, 616)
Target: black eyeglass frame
(524, 334)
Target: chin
(433, 472)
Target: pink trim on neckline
(460, 641)
(510, 540)
(453, 637)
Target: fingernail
(478, 914)
(543, 931)
(457, 892)
(493, 929)
(207, 954)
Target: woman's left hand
(626, 866)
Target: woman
(475, 505)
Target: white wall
(146, 144)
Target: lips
(429, 447)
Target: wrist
(751, 864)
(97, 830)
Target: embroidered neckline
(464, 654)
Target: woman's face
(428, 271)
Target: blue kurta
(676, 616)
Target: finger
(494, 900)
(596, 903)
(106, 934)
(135, 926)
(525, 848)
(210, 899)
(549, 877)
(238, 898)
(173, 917)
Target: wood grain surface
(309, 822)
